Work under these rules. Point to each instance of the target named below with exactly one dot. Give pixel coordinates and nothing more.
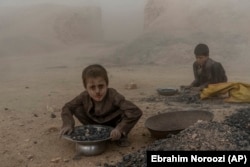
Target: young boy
(99, 104)
(206, 71)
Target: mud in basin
(90, 139)
(90, 133)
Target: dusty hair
(201, 49)
(93, 71)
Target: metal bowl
(90, 148)
(164, 124)
(167, 91)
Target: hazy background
(175, 27)
(150, 31)
(122, 19)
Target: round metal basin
(93, 147)
(173, 122)
(167, 91)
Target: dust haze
(36, 35)
(42, 29)
(45, 44)
(159, 30)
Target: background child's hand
(185, 87)
(66, 130)
(115, 134)
(196, 88)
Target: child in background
(206, 71)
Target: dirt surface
(40, 73)
(34, 89)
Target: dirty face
(201, 59)
(96, 88)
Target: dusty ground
(34, 87)
(39, 74)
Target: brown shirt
(210, 73)
(112, 106)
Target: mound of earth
(174, 28)
(197, 138)
(240, 119)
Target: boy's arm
(69, 109)
(131, 114)
(195, 82)
(217, 75)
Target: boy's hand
(115, 134)
(185, 87)
(66, 130)
(196, 88)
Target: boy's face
(96, 88)
(201, 59)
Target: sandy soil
(34, 87)
(39, 74)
